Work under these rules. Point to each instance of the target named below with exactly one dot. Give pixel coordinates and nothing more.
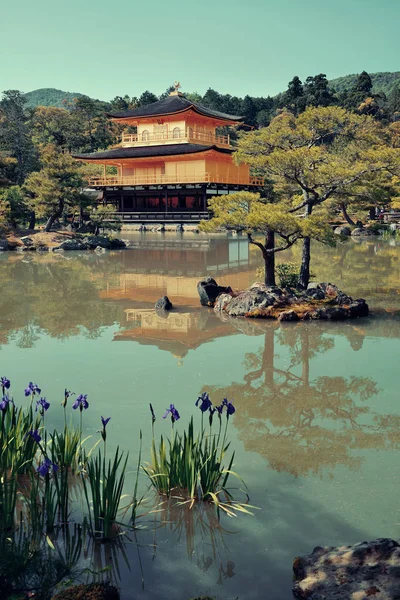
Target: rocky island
(320, 301)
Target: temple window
(176, 132)
(145, 135)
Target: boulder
(163, 303)
(288, 315)
(116, 244)
(72, 244)
(209, 290)
(359, 572)
(100, 250)
(4, 245)
(249, 301)
(94, 241)
(27, 241)
(222, 302)
(342, 230)
(315, 291)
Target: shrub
(192, 466)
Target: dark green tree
(15, 134)
(147, 98)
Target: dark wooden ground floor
(180, 204)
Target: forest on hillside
(81, 125)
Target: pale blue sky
(104, 48)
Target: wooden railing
(158, 216)
(132, 139)
(173, 179)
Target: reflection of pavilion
(177, 332)
(172, 266)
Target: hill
(49, 97)
(382, 82)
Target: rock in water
(72, 245)
(209, 290)
(4, 245)
(163, 303)
(359, 572)
(342, 230)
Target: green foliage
(57, 186)
(105, 482)
(191, 466)
(49, 97)
(14, 205)
(15, 135)
(381, 82)
(288, 274)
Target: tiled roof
(171, 105)
(149, 151)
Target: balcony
(174, 137)
(173, 179)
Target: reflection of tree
(302, 424)
(368, 269)
(54, 294)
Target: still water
(317, 426)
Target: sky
(104, 49)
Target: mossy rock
(93, 591)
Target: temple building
(172, 164)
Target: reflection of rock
(369, 569)
(320, 301)
(209, 290)
(359, 231)
(163, 303)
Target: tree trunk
(306, 256)
(372, 214)
(269, 258)
(56, 215)
(346, 215)
(32, 220)
(50, 222)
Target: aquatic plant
(191, 465)
(105, 481)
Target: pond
(317, 424)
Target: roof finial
(176, 92)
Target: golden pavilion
(172, 164)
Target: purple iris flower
(105, 421)
(32, 389)
(5, 401)
(81, 402)
(205, 401)
(46, 466)
(219, 409)
(174, 413)
(34, 434)
(103, 431)
(42, 405)
(5, 383)
(67, 394)
(230, 409)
